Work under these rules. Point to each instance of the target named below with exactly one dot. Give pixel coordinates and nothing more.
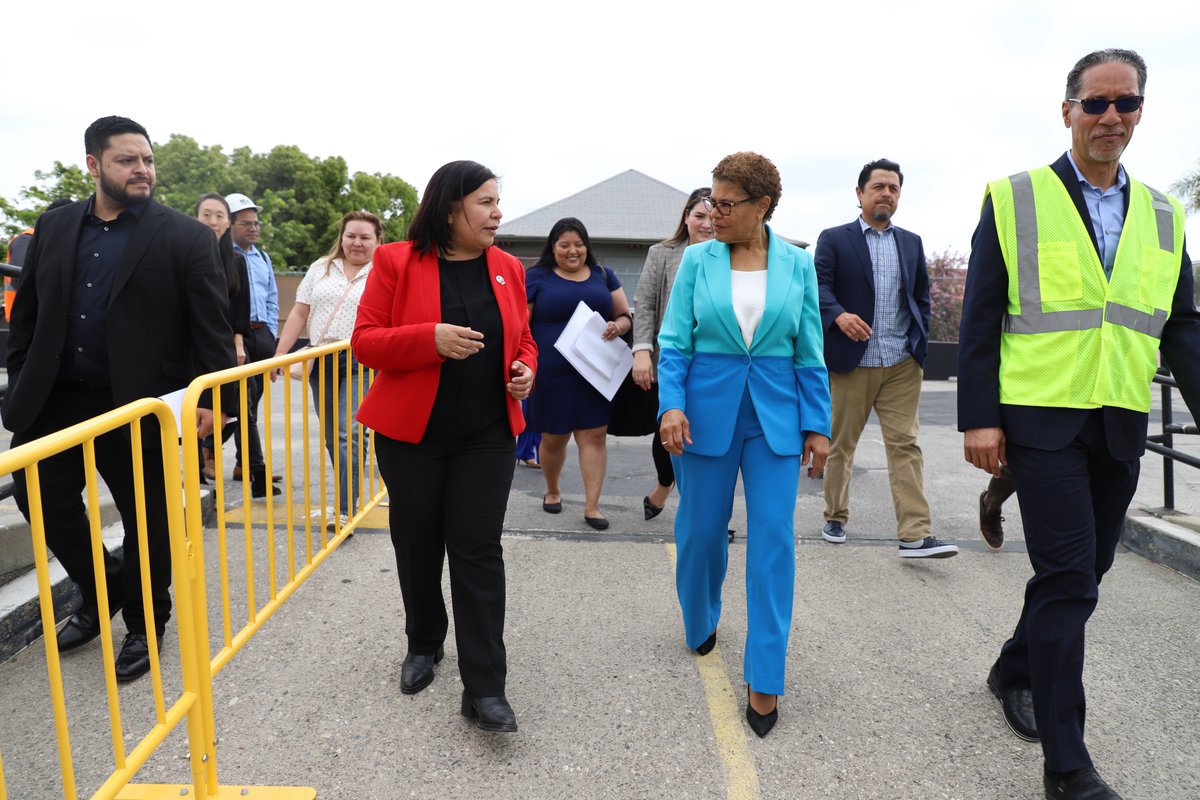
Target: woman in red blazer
(443, 319)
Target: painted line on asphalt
(741, 774)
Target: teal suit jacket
(705, 366)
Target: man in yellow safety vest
(1078, 279)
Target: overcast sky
(557, 96)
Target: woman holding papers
(742, 388)
(564, 403)
(443, 319)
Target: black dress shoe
(599, 523)
(551, 508)
(258, 486)
(417, 671)
(761, 724)
(84, 626)
(1082, 784)
(707, 645)
(650, 509)
(1017, 703)
(134, 659)
(494, 713)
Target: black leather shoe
(599, 523)
(258, 485)
(1017, 703)
(707, 645)
(134, 659)
(551, 508)
(495, 715)
(83, 626)
(417, 671)
(1082, 784)
(761, 724)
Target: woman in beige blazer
(650, 303)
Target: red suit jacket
(400, 306)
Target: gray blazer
(653, 291)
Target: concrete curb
(20, 611)
(1163, 542)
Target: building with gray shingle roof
(624, 215)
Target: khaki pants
(894, 393)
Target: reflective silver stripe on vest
(1149, 324)
(1032, 319)
(1164, 216)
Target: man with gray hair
(1054, 382)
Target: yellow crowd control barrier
(319, 484)
(28, 457)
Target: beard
(120, 194)
(881, 213)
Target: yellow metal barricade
(198, 662)
(28, 457)
(279, 587)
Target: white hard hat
(239, 202)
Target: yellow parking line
(741, 776)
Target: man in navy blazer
(875, 311)
(1075, 465)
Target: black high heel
(651, 510)
(707, 645)
(761, 724)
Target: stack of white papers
(604, 364)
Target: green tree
(303, 197)
(62, 180)
(1188, 188)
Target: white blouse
(320, 290)
(749, 298)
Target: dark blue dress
(562, 401)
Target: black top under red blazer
(394, 334)
(985, 303)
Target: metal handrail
(1163, 443)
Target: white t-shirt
(749, 298)
(320, 292)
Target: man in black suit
(121, 298)
(1054, 381)
(875, 310)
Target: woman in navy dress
(563, 403)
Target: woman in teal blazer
(743, 387)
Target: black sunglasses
(1098, 105)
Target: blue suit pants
(706, 488)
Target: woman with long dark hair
(654, 289)
(213, 211)
(443, 320)
(564, 404)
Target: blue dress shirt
(1107, 210)
(264, 293)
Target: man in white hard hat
(264, 325)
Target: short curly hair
(756, 174)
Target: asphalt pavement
(885, 684)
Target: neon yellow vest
(1072, 337)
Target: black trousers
(65, 514)
(662, 462)
(1073, 503)
(449, 499)
(259, 345)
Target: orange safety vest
(10, 291)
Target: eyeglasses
(1098, 105)
(249, 223)
(722, 207)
